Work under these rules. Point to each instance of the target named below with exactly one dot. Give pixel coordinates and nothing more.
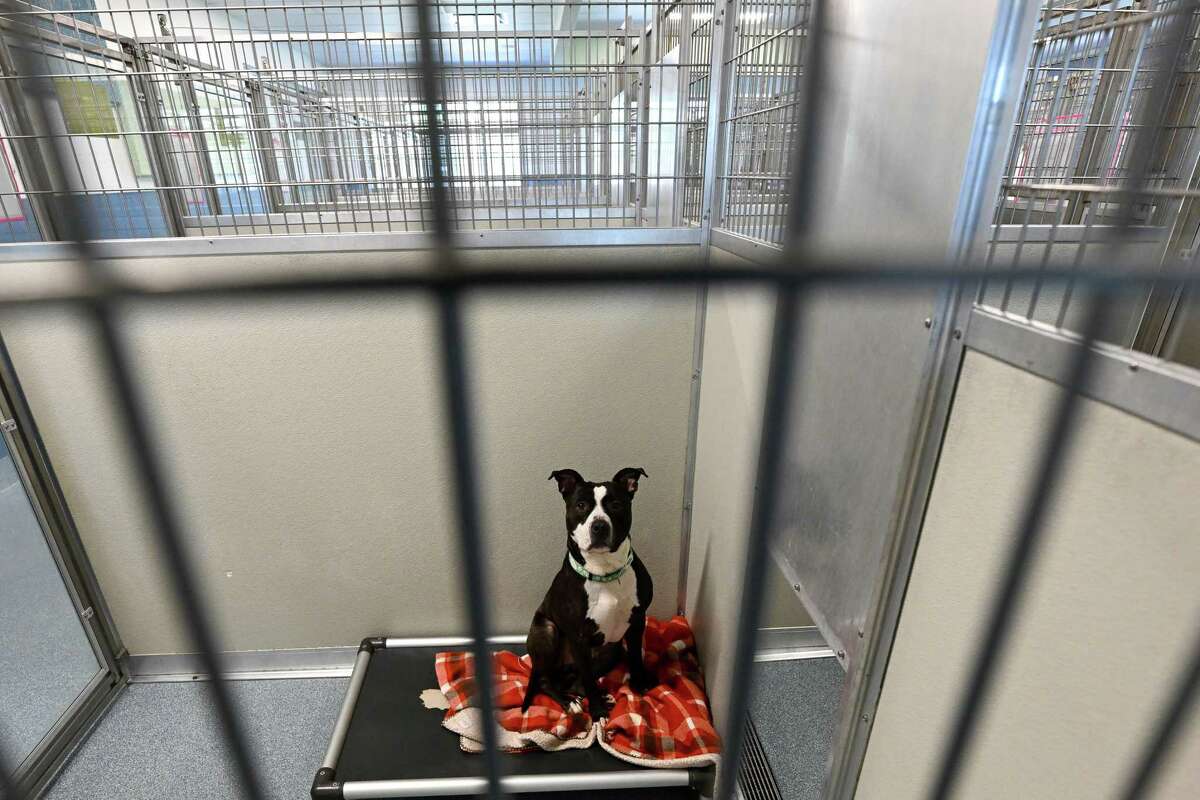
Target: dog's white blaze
(610, 603)
(582, 534)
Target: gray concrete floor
(46, 659)
(794, 707)
(161, 740)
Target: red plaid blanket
(669, 726)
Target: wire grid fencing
(293, 116)
(793, 275)
(696, 24)
(1095, 71)
(764, 63)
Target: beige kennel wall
(1109, 615)
(306, 446)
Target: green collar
(607, 577)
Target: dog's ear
(567, 479)
(627, 478)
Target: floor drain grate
(755, 779)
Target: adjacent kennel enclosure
(896, 304)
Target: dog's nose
(599, 527)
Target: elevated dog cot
(385, 743)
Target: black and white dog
(595, 611)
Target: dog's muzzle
(601, 533)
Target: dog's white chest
(611, 603)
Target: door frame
(28, 451)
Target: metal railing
(794, 276)
(1098, 72)
(764, 61)
(247, 117)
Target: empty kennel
(895, 305)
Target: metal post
(719, 83)
(642, 149)
(191, 104)
(31, 159)
(149, 105)
(264, 146)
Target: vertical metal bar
(191, 106)
(148, 105)
(643, 131)
(776, 423)
(30, 156)
(721, 29)
(132, 413)
(454, 375)
(264, 149)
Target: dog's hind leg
(543, 646)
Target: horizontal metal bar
(1135, 191)
(1165, 394)
(791, 644)
(449, 641)
(803, 654)
(416, 215)
(342, 724)
(334, 4)
(253, 675)
(244, 36)
(531, 784)
(745, 247)
(516, 276)
(1065, 234)
(243, 665)
(352, 243)
(1133, 17)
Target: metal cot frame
(795, 273)
(325, 784)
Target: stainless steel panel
(864, 354)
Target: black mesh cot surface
(395, 747)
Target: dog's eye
(582, 506)
(618, 504)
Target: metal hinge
(88, 613)
(8, 425)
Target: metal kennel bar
(437, 192)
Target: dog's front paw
(575, 706)
(599, 705)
